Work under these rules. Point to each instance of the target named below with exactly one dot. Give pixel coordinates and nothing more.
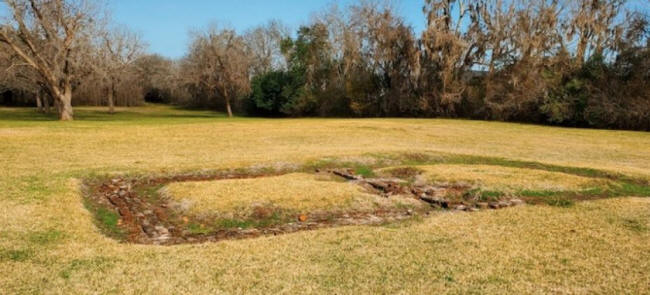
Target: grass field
(297, 191)
(50, 244)
(492, 177)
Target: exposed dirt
(147, 218)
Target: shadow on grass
(25, 114)
(101, 114)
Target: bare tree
(388, 54)
(593, 24)
(15, 75)
(523, 40)
(219, 60)
(47, 37)
(159, 76)
(264, 43)
(497, 27)
(119, 48)
(449, 49)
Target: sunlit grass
(50, 244)
(299, 192)
(498, 178)
(182, 142)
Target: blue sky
(164, 24)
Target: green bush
(271, 93)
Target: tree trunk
(39, 101)
(64, 103)
(228, 108)
(57, 105)
(46, 104)
(582, 48)
(111, 100)
(66, 113)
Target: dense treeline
(568, 62)
(573, 63)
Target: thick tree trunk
(66, 113)
(39, 102)
(111, 98)
(57, 105)
(66, 108)
(64, 103)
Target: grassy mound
(295, 192)
(509, 179)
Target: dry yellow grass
(141, 143)
(295, 191)
(49, 244)
(508, 179)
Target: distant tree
(265, 45)
(118, 49)
(449, 50)
(159, 77)
(219, 61)
(526, 67)
(49, 37)
(388, 57)
(310, 65)
(593, 23)
(16, 76)
(271, 94)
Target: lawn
(492, 177)
(50, 242)
(295, 191)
